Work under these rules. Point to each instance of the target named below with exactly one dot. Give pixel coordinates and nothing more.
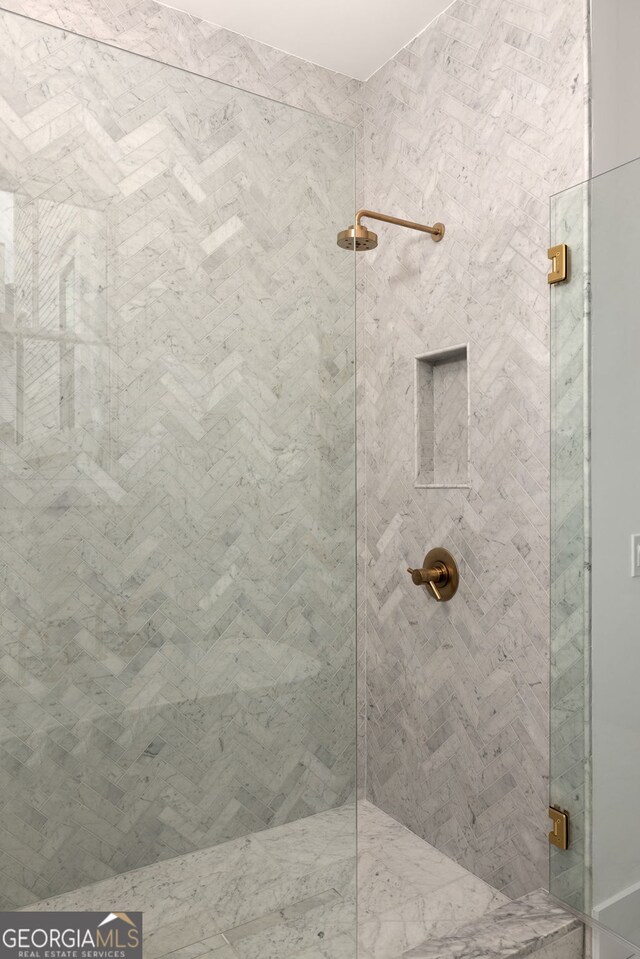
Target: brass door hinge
(559, 256)
(559, 835)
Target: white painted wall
(606, 947)
(615, 516)
(616, 82)
(616, 466)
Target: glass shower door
(596, 550)
(177, 658)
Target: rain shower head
(359, 239)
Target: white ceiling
(355, 37)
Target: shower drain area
(442, 415)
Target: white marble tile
(420, 865)
(196, 950)
(168, 702)
(457, 694)
(569, 947)
(290, 892)
(259, 894)
(433, 915)
(380, 887)
(460, 110)
(514, 928)
(407, 890)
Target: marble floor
(289, 893)
(408, 892)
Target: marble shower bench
(531, 926)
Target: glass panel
(569, 789)
(178, 497)
(605, 706)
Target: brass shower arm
(436, 231)
(359, 239)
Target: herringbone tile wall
(178, 656)
(174, 37)
(475, 123)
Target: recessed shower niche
(442, 418)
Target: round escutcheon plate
(441, 555)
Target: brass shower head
(359, 239)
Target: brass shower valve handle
(431, 578)
(439, 574)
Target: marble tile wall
(177, 463)
(475, 123)
(442, 419)
(174, 37)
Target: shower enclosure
(178, 496)
(595, 708)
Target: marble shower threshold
(534, 925)
(290, 893)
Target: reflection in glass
(177, 522)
